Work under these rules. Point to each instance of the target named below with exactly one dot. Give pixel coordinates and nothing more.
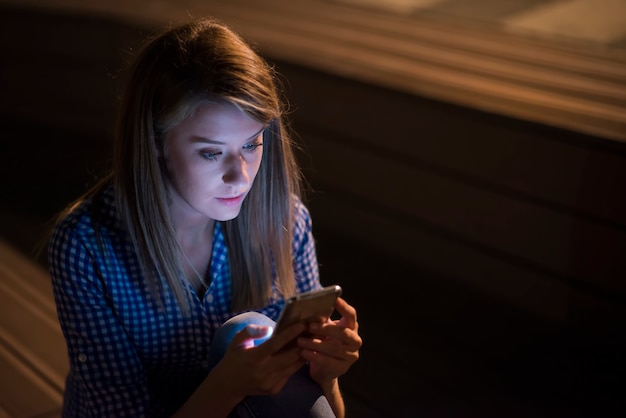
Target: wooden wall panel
(529, 213)
(528, 219)
(437, 253)
(59, 78)
(28, 322)
(568, 247)
(33, 357)
(568, 171)
(22, 392)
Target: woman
(169, 274)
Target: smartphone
(313, 306)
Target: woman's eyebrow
(197, 138)
(258, 133)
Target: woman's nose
(235, 173)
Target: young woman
(169, 274)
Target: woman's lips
(230, 200)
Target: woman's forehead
(218, 123)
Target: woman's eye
(253, 147)
(210, 155)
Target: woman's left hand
(333, 347)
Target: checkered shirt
(129, 357)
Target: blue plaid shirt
(129, 357)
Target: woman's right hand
(247, 369)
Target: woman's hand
(333, 347)
(247, 369)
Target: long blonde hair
(173, 74)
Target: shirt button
(209, 298)
(82, 357)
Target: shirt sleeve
(304, 252)
(106, 375)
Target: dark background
(484, 253)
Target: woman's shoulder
(303, 224)
(302, 216)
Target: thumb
(251, 336)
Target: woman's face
(212, 158)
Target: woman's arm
(304, 252)
(106, 374)
(245, 370)
(335, 398)
(212, 399)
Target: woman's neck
(196, 241)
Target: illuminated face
(212, 158)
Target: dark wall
(531, 215)
(59, 81)
(445, 224)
